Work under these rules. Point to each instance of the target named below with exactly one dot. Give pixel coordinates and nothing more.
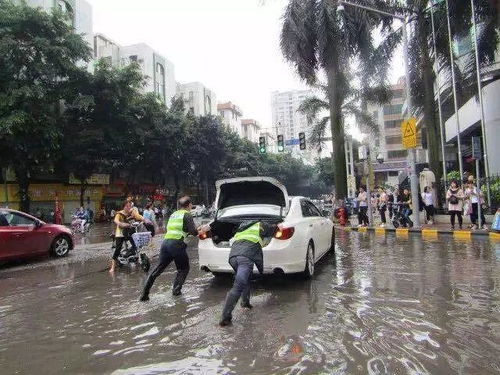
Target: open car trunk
(225, 229)
(247, 198)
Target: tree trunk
(83, 188)
(23, 181)
(338, 136)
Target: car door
(320, 229)
(312, 225)
(8, 243)
(26, 238)
(325, 229)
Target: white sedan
(305, 238)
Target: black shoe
(144, 297)
(225, 322)
(246, 305)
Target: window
(398, 154)
(393, 109)
(375, 115)
(15, 219)
(392, 124)
(397, 94)
(393, 173)
(160, 81)
(393, 140)
(133, 58)
(208, 105)
(308, 209)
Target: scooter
(130, 255)
(398, 219)
(77, 228)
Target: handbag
(453, 199)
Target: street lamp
(413, 174)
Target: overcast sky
(231, 46)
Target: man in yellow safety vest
(246, 251)
(179, 226)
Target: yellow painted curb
(429, 233)
(362, 229)
(495, 236)
(380, 231)
(402, 232)
(347, 229)
(462, 234)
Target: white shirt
(473, 198)
(427, 198)
(362, 200)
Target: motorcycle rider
(83, 216)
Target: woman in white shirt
(474, 199)
(382, 206)
(428, 199)
(362, 208)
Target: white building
(250, 130)
(78, 11)
(286, 117)
(469, 115)
(198, 99)
(231, 117)
(388, 143)
(159, 71)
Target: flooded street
(381, 304)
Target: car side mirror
(38, 224)
(326, 213)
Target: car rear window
(250, 210)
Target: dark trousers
(362, 216)
(429, 211)
(171, 250)
(391, 210)
(119, 242)
(382, 214)
(241, 287)
(474, 214)
(460, 219)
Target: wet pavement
(380, 304)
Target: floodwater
(379, 305)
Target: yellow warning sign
(409, 133)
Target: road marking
(362, 229)
(462, 234)
(430, 233)
(380, 231)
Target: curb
(425, 232)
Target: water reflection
(382, 304)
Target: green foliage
(321, 42)
(453, 175)
(38, 58)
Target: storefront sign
(47, 193)
(94, 179)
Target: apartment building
(198, 99)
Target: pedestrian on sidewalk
(246, 251)
(180, 225)
(406, 207)
(390, 202)
(428, 199)
(382, 206)
(455, 198)
(474, 197)
(363, 208)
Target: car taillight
(284, 233)
(204, 235)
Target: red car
(22, 235)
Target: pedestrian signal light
(281, 143)
(262, 145)
(302, 140)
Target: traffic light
(262, 145)
(281, 143)
(302, 140)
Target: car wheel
(60, 247)
(309, 270)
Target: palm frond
(365, 121)
(311, 107)
(318, 132)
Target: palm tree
(422, 73)
(318, 40)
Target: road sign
(409, 133)
(476, 148)
(292, 142)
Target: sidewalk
(427, 231)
